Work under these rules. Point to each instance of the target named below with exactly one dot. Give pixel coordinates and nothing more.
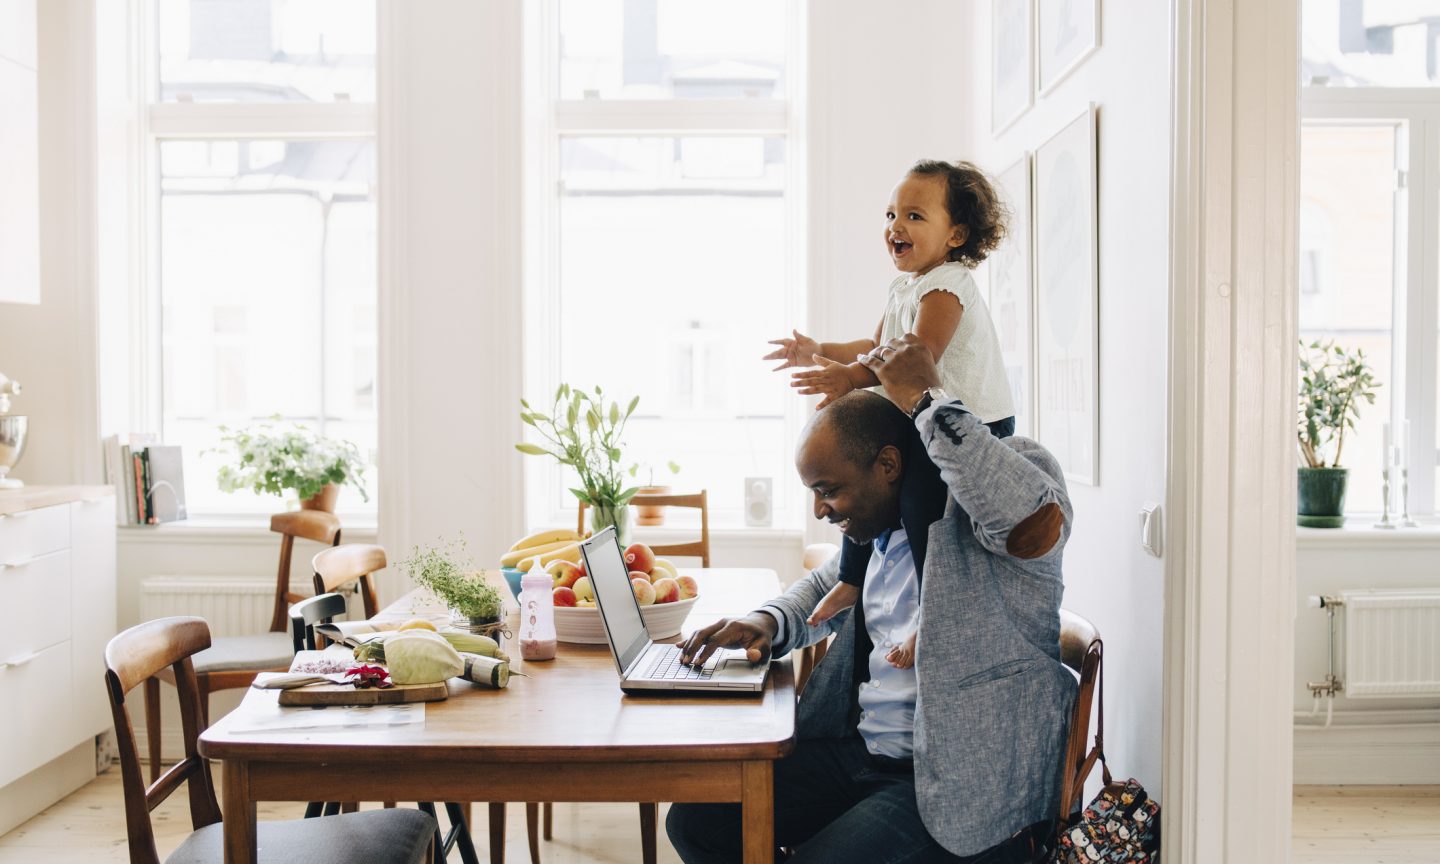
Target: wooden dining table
(563, 731)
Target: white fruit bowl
(583, 624)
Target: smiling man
(958, 758)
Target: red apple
(667, 590)
(563, 596)
(564, 573)
(638, 557)
(688, 588)
(644, 591)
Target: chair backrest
(130, 658)
(317, 525)
(1082, 650)
(697, 501)
(307, 613)
(353, 562)
(817, 554)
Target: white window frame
(154, 123)
(548, 119)
(1414, 319)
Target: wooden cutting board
(345, 694)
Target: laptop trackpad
(735, 667)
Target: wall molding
(1368, 748)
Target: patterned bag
(1121, 826)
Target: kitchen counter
(35, 497)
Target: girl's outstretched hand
(794, 352)
(831, 380)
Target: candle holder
(1405, 520)
(1385, 497)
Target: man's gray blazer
(994, 700)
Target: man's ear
(890, 463)
(959, 236)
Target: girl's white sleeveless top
(971, 368)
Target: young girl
(942, 220)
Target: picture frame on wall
(1012, 288)
(1012, 87)
(1067, 308)
(1066, 32)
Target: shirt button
(874, 746)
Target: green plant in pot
(267, 459)
(584, 432)
(650, 514)
(446, 571)
(1333, 384)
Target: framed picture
(1012, 88)
(1012, 295)
(1067, 313)
(1068, 32)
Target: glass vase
(603, 516)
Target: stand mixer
(12, 433)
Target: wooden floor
(1333, 824)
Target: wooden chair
(815, 555)
(649, 812)
(693, 549)
(336, 568)
(1082, 650)
(138, 654)
(234, 661)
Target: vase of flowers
(1333, 384)
(584, 432)
(446, 571)
(266, 459)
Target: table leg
(497, 833)
(239, 811)
(757, 806)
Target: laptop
(646, 666)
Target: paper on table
(273, 718)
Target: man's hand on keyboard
(753, 632)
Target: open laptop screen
(615, 597)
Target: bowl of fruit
(665, 597)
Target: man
(958, 758)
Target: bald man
(958, 758)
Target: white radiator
(233, 606)
(1392, 643)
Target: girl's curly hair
(973, 202)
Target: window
(1369, 267)
(259, 142)
(665, 247)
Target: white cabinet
(19, 154)
(57, 612)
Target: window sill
(1359, 532)
(223, 529)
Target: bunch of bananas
(552, 544)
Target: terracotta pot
(651, 515)
(323, 500)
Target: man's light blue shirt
(891, 599)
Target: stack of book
(148, 477)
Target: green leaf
(582, 496)
(631, 409)
(533, 449)
(614, 418)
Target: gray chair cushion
(376, 836)
(260, 651)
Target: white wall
(1108, 577)
(50, 348)
(1368, 740)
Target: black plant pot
(1322, 497)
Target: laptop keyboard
(667, 666)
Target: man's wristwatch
(928, 398)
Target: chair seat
(258, 651)
(378, 836)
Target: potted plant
(583, 432)
(270, 460)
(648, 514)
(1333, 383)
(446, 571)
